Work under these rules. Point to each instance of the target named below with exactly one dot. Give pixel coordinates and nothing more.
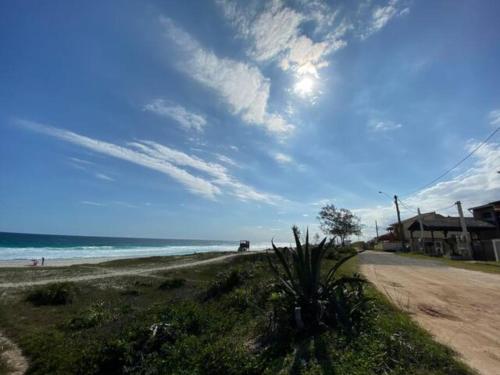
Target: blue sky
(228, 120)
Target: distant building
(490, 213)
(443, 235)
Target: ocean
(34, 246)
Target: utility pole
(464, 229)
(421, 229)
(401, 229)
(376, 229)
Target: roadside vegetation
(473, 265)
(302, 310)
(28, 274)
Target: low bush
(51, 294)
(172, 284)
(239, 299)
(130, 292)
(338, 252)
(226, 282)
(89, 318)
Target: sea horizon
(21, 246)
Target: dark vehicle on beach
(244, 245)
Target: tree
(339, 223)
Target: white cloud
(80, 161)
(104, 177)
(226, 160)
(477, 185)
(194, 184)
(168, 161)
(92, 203)
(283, 158)
(240, 85)
(384, 126)
(494, 117)
(187, 120)
(275, 34)
(381, 15)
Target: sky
(218, 119)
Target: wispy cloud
(282, 158)
(476, 185)
(92, 203)
(494, 117)
(240, 85)
(166, 160)
(226, 160)
(384, 126)
(186, 119)
(276, 33)
(104, 177)
(381, 15)
(194, 184)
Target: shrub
(238, 300)
(89, 318)
(130, 292)
(338, 252)
(310, 301)
(172, 284)
(226, 282)
(224, 357)
(51, 294)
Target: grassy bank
(27, 274)
(473, 265)
(205, 320)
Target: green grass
(27, 274)
(473, 265)
(108, 328)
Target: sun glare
(304, 86)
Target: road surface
(460, 308)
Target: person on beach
(43, 261)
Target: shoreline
(61, 262)
(66, 262)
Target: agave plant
(316, 301)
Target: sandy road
(461, 308)
(132, 271)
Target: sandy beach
(26, 263)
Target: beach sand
(26, 263)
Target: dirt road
(461, 308)
(132, 271)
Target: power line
(457, 164)
(445, 208)
(399, 200)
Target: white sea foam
(22, 253)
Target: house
(446, 236)
(490, 213)
(394, 228)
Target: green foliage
(339, 223)
(158, 332)
(226, 282)
(51, 294)
(172, 284)
(339, 252)
(314, 301)
(89, 318)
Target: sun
(305, 86)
